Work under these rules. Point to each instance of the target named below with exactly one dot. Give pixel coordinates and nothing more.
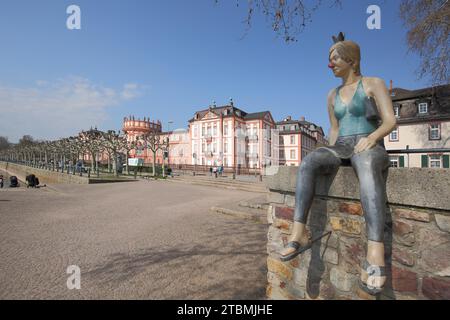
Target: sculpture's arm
(334, 124)
(377, 88)
(385, 109)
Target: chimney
(302, 118)
(288, 118)
(390, 88)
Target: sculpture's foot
(373, 278)
(298, 249)
(295, 246)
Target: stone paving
(138, 240)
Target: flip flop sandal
(298, 250)
(372, 270)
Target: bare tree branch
(287, 18)
(428, 23)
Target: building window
(281, 140)
(225, 129)
(293, 128)
(215, 130)
(292, 139)
(435, 131)
(393, 136)
(292, 154)
(435, 161)
(394, 162)
(203, 130)
(225, 147)
(195, 131)
(396, 111)
(281, 154)
(304, 154)
(423, 107)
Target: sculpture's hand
(365, 144)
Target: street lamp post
(194, 155)
(165, 150)
(407, 156)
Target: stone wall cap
(418, 187)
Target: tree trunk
(163, 162)
(93, 162)
(153, 163)
(116, 169)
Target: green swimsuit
(352, 117)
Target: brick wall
(417, 237)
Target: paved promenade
(134, 240)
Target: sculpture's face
(338, 65)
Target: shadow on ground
(227, 262)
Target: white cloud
(130, 91)
(57, 109)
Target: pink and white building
(231, 137)
(297, 138)
(228, 136)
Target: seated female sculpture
(356, 137)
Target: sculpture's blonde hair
(350, 52)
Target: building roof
(256, 115)
(232, 110)
(309, 125)
(438, 99)
(404, 94)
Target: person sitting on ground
(13, 182)
(31, 180)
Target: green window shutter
(401, 161)
(424, 161)
(445, 160)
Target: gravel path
(136, 240)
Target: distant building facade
(231, 137)
(135, 128)
(423, 127)
(297, 138)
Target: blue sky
(167, 59)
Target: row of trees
(70, 150)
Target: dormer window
(423, 108)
